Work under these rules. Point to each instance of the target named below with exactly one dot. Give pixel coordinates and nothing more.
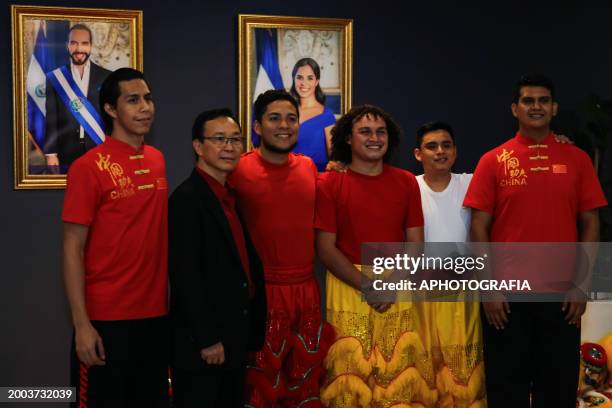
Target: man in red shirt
(379, 358)
(533, 189)
(217, 290)
(276, 194)
(115, 255)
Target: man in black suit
(218, 300)
(66, 140)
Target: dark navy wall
(420, 62)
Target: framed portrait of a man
(61, 56)
(311, 58)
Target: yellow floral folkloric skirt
(421, 354)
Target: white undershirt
(83, 84)
(446, 220)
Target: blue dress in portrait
(311, 138)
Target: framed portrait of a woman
(61, 56)
(311, 58)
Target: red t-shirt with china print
(535, 193)
(121, 194)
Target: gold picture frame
(329, 40)
(37, 33)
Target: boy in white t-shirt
(442, 191)
(455, 326)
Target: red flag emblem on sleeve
(559, 168)
(162, 183)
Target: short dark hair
(273, 95)
(319, 95)
(432, 127)
(533, 80)
(341, 150)
(81, 26)
(197, 130)
(110, 91)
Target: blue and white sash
(77, 103)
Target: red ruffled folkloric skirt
(288, 371)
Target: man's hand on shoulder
(336, 166)
(89, 346)
(214, 354)
(562, 139)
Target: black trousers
(136, 370)
(537, 355)
(218, 388)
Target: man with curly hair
(378, 358)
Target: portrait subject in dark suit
(218, 299)
(73, 125)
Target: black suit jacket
(209, 295)
(62, 129)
